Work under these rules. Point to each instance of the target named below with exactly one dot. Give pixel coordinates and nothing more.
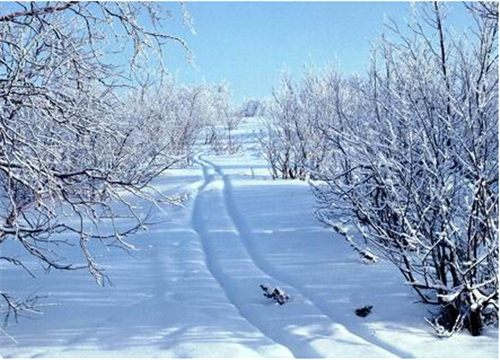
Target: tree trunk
(475, 323)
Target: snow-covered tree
(292, 141)
(408, 154)
(224, 120)
(69, 148)
(421, 148)
(251, 108)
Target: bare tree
(408, 156)
(423, 165)
(223, 120)
(251, 108)
(292, 141)
(69, 147)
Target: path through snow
(192, 290)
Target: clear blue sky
(249, 43)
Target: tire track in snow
(199, 226)
(246, 236)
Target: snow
(193, 287)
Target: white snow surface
(192, 288)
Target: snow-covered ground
(192, 290)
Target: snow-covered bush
(226, 120)
(416, 164)
(175, 116)
(408, 155)
(251, 108)
(70, 145)
(292, 141)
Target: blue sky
(248, 44)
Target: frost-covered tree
(224, 120)
(408, 154)
(251, 108)
(177, 115)
(416, 164)
(70, 147)
(292, 141)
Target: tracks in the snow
(201, 226)
(298, 345)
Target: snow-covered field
(192, 290)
